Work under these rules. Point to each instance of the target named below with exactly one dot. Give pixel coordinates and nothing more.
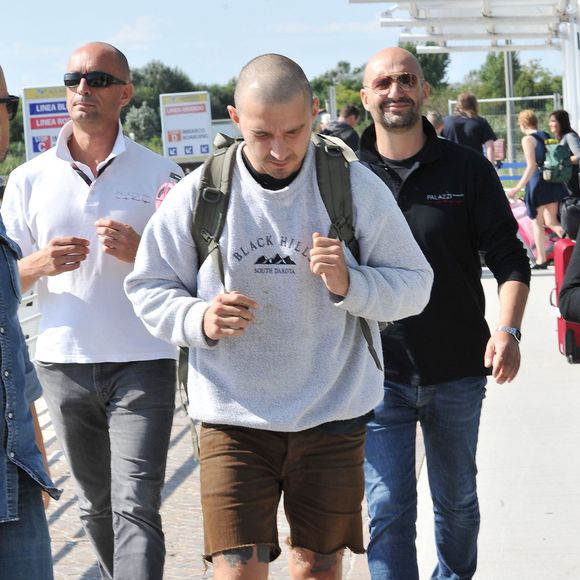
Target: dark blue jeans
(25, 544)
(449, 415)
(113, 422)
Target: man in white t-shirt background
(77, 211)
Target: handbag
(570, 215)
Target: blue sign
(172, 151)
(188, 149)
(41, 144)
(204, 148)
(48, 108)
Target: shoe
(540, 266)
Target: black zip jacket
(456, 207)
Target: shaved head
(114, 54)
(272, 78)
(393, 100)
(391, 60)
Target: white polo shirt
(86, 317)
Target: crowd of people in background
(121, 287)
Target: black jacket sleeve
(497, 228)
(569, 299)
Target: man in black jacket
(436, 363)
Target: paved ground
(73, 558)
(528, 482)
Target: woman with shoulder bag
(570, 206)
(542, 197)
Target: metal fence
(502, 115)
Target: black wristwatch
(515, 332)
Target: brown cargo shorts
(244, 472)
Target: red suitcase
(568, 332)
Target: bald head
(273, 79)
(390, 60)
(105, 51)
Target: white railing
(29, 317)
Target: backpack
(556, 166)
(332, 169)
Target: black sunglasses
(95, 79)
(11, 103)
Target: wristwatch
(515, 332)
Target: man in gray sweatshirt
(280, 375)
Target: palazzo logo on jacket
(445, 198)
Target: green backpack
(332, 169)
(556, 167)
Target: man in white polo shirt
(77, 211)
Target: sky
(209, 40)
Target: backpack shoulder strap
(211, 205)
(540, 137)
(333, 157)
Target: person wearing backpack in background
(542, 197)
(279, 371)
(344, 128)
(559, 124)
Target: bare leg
(244, 563)
(550, 215)
(539, 237)
(305, 564)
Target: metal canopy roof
(493, 26)
(457, 25)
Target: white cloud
(138, 36)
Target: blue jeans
(449, 416)
(113, 422)
(25, 544)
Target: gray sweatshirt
(304, 361)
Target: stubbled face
(276, 135)
(96, 106)
(554, 125)
(398, 108)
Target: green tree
(347, 81)
(220, 97)
(156, 78)
(142, 123)
(534, 79)
(434, 65)
(489, 81)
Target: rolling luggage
(568, 332)
(526, 233)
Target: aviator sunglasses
(11, 103)
(95, 79)
(405, 80)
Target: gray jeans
(113, 422)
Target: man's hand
(228, 315)
(62, 254)
(327, 261)
(502, 355)
(118, 239)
